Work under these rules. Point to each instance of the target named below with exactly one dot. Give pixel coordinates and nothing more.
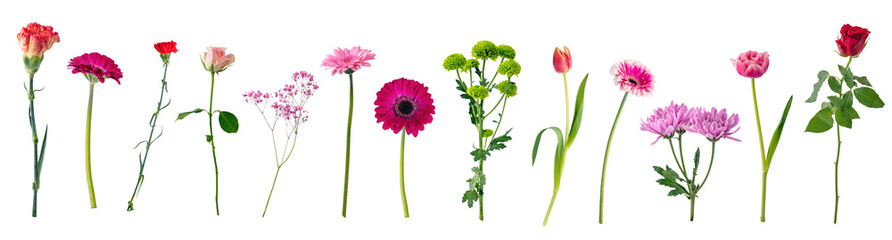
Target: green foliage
(185, 114)
(821, 122)
(840, 107)
(498, 143)
(775, 139)
(577, 112)
(868, 97)
(475, 187)
(479, 154)
(228, 122)
(671, 179)
(822, 76)
(834, 84)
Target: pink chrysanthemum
(97, 65)
(667, 121)
(343, 59)
(404, 103)
(632, 76)
(714, 124)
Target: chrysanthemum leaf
(868, 97)
(672, 180)
(470, 197)
(498, 143)
(479, 154)
(821, 122)
(822, 76)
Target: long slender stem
(761, 148)
(480, 194)
(557, 186)
(567, 108)
(271, 191)
(671, 146)
(87, 150)
(31, 120)
(402, 177)
(693, 197)
(149, 140)
(684, 169)
(213, 147)
(836, 164)
(347, 163)
(708, 170)
(606, 152)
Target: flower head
(96, 67)
(751, 64)
(632, 76)
(216, 60)
(166, 47)
(506, 51)
(668, 121)
(471, 63)
(713, 124)
(509, 68)
(507, 88)
(852, 40)
(485, 49)
(36, 39)
(404, 103)
(344, 59)
(288, 102)
(562, 60)
(454, 61)
(478, 92)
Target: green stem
(557, 186)
(708, 170)
(480, 195)
(142, 162)
(347, 162)
(761, 148)
(271, 191)
(89, 171)
(606, 152)
(567, 108)
(214, 148)
(693, 197)
(671, 146)
(31, 120)
(836, 164)
(402, 178)
(684, 169)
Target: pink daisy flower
(714, 124)
(96, 65)
(632, 76)
(667, 121)
(343, 59)
(404, 103)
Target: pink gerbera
(95, 65)
(667, 121)
(404, 103)
(632, 76)
(344, 59)
(714, 124)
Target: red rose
(852, 41)
(166, 47)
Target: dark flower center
(632, 80)
(404, 107)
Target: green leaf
(848, 77)
(834, 84)
(42, 151)
(822, 76)
(472, 106)
(558, 153)
(228, 122)
(851, 113)
(835, 101)
(821, 122)
(671, 179)
(847, 100)
(842, 70)
(843, 119)
(676, 192)
(775, 139)
(577, 112)
(470, 197)
(208, 138)
(479, 178)
(826, 105)
(868, 97)
(498, 143)
(479, 154)
(696, 159)
(184, 114)
(863, 81)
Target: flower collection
(476, 92)
(348, 61)
(35, 40)
(284, 109)
(404, 106)
(671, 123)
(839, 107)
(96, 68)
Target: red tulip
(562, 60)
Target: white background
(686, 45)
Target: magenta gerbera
(404, 103)
(632, 76)
(97, 65)
(343, 59)
(668, 121)
(713, 124)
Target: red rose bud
(852, 40)
(562, 60)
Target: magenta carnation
(632, 76)
(343, 59)
(714, 124)
(667, 121)
(97, 65)
(404, 103)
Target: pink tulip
(216, 59)
(751, 64)
(562, 60)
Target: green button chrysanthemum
(487, 133)
(485, 49)
(506, 51)
(509, 68)
(507, 88)
(470, 64)
(454, 62)
(478, 92)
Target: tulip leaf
(775, 139)
(577, 112)
(185, 114)
(822, 76)
(821, 122)
(868, 97)
(834, 84)
(228, 122)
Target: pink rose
(216, 59)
